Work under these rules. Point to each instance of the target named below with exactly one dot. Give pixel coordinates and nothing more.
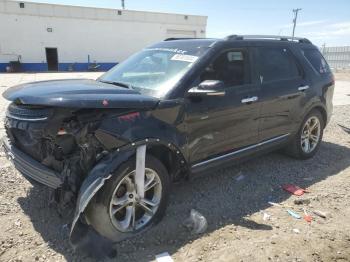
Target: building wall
(83, 34)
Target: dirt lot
(342, 75)
(32, 231)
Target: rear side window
(277, 63)
(316, 60)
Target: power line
(295, 11)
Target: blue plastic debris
(293, 214)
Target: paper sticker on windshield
(185, 58)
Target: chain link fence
(338, 57)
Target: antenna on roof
(123, 4)
(295, 11)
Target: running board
(243, 152)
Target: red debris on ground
(295, 190)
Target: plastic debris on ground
(295, 190)
(18, 223)
(197, 223)
(275, 204)
(293, 214)
(296, 231)
(279, 205)
(308, 178)
(319, 213)
(307, 217)
(266, 216)
(164, 257)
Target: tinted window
(231, 67)
(316, 60)
(277, 64)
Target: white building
(60, 37)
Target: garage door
(180, 33)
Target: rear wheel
(119, 212)
(307, 141)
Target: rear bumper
(29, 167)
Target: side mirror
(208, 88)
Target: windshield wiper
(121, 84)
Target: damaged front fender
(79, 235)
(82, 236)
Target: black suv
(112, 147)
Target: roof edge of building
(105, 8)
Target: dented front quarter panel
(164, 123)
(118, 127)
(91, 185)
(162, 126)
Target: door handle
(249, 100)
(216, 93)
(303, 88)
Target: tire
(98, 213)
(295, 148)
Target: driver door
(224, 121)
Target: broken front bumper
(29, 167)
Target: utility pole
(295, 11)
(123, 4)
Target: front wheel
(118, 212)
(307, 141)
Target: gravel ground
(32, 231)
(342, 74)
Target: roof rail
(179, 38)
(276, 37)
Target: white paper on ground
(164, 257)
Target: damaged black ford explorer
(111, 147)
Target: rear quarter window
(316, 60)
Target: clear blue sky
(322, 21)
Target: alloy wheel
(127, 210)
(310, 134)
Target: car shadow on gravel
(222, 198)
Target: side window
(316, 60)
(277, 64)
(231, 67)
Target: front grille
(28, 113)
(25, 126)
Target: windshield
(156, 70)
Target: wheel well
(323, 113)
(170, 159)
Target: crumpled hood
(78, 93)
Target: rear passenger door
(282, 90)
